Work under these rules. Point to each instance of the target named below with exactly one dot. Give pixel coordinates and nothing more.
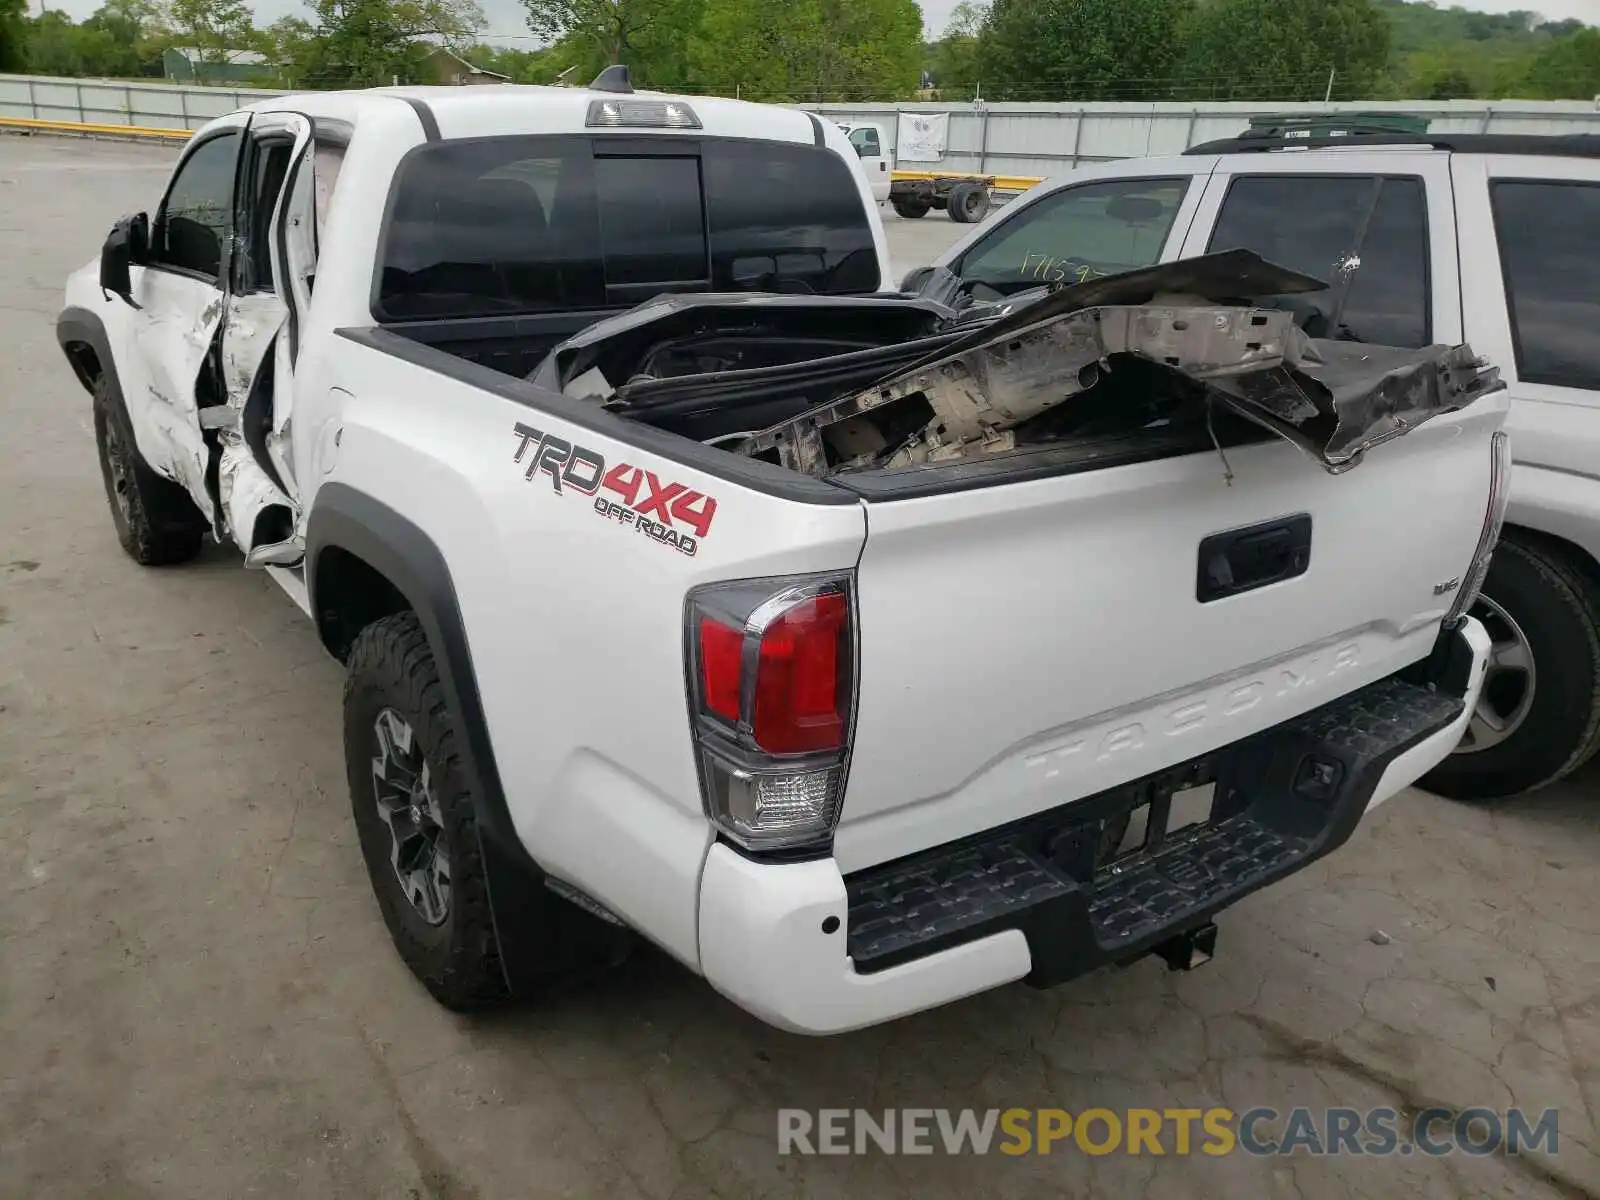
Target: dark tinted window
(547, 224)
(1077, 234)
(1313, 224)
(198, 212)
(787, 219)
(1550, 243)
(652, 224)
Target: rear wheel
(969, 202)
(910, 209)
(414, 815)
(157, 523)
(1538, 716)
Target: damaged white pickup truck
(693, 584)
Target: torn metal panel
(1334, 400)
(246, 492)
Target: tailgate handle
(1239, 560)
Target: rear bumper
(808, 950)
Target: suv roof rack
(1569, 145)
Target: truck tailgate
(1034, 642)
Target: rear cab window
(539, 224)
(1367, 235)
(1077, 233)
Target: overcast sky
(507, 16)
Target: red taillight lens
(772, 692)
(721, 651)
(800, 706)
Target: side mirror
(127, 245)
(915, 278)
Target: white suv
(1490, 240)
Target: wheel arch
(82, 338)
(365, 561)
(1574, 554)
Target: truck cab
(872, 147)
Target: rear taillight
(1493, 518)
(772, 685)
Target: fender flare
(539, 934)
(76, 325)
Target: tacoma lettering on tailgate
(655, 508)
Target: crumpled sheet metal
(1334, 400)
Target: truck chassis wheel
(910, 209)
(414, 815)
(968, 203)
(1538, 717)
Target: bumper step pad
(1281, 799)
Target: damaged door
(270, 290)
(179, 297)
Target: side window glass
(195, 218)
(1375, 227)
(1549, 236)
(267, 172)
(1076, 234)
(866, 142)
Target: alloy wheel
(403, 788)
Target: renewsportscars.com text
(1160, 1131)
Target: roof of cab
(528, 108)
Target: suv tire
(157, 523)
(1539, 718)
(415, 836)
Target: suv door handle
(1241, 560)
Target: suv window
(1076, 234)
(1314, 223)
(547, 224)
(1549, 237)
(195, 218)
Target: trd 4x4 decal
(655, 508)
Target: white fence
(102, 102)
(1045, 139)
(994, 139)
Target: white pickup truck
(1443, 237)
(694, 584)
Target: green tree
(212, 28)
(52, 45)
(119, 38)
(1569, 69)
(13, 34)
(1081, 49)
(367, 43)
(796, 50)
(1286, 49)
(953, 62)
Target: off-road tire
(157, 523)
(1558, 608)
(910, 209)
(391, 667)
